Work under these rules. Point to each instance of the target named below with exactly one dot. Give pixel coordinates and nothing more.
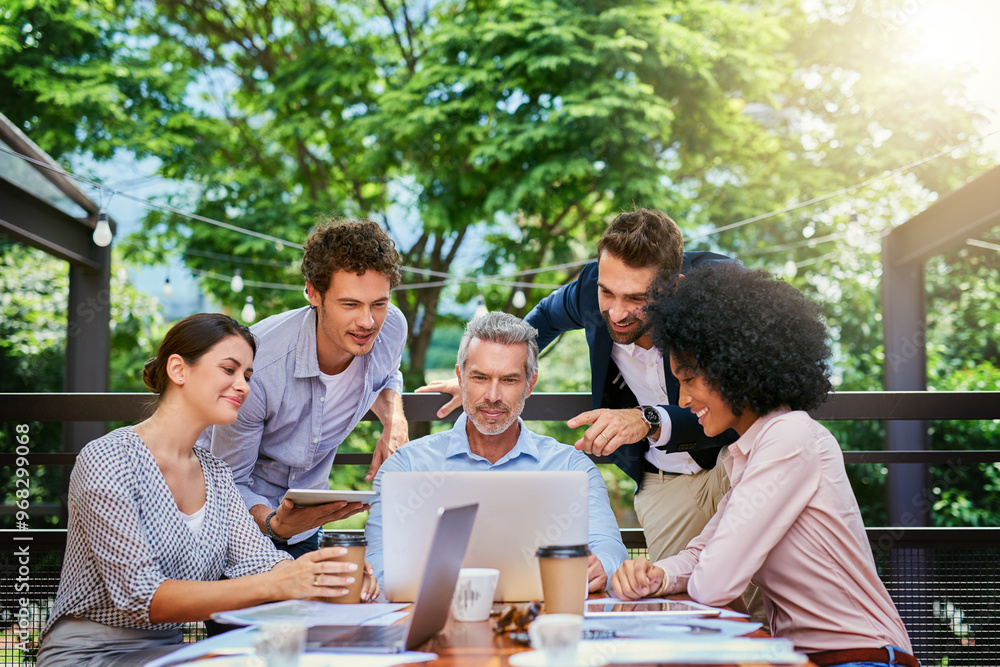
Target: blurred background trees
(494, 138)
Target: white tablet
(608, 608)
(306, 497)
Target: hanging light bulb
(249, 313)
(790, 269)
(480, 307)
(518, 299)
(279, 246)
(168, 289)
(855, 234)
(102, 230)
(236, 284)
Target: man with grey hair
(497, 369)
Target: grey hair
(505, 329)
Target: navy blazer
(575, 306)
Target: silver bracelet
(270, 531)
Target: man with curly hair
(751, 354)
(318, 370)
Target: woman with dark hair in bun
(154, 522)
(750, 353)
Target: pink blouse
(791, 525)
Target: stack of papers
(309, 613)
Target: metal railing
(944, 580)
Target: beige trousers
(673, 509)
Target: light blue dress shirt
(277, 441)
(449, 451)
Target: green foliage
(529, 124)
(34, 292)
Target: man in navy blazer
(635, 420)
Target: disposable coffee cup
(474, 593)
(355, 543)
(564, 577)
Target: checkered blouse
(126, 535)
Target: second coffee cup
(564, 577)
(355, 544)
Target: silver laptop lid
(518, 512)
(437, 586)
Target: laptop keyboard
(361, 636)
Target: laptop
(518, 512)
(449, 539)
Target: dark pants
(214, 628)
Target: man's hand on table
(597, 578)
(444, 387)
(637, 578)
(291, 520)
(610, 429)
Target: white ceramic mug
(280, 644)
(474, 593)
(557, 637)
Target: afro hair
(754, 338)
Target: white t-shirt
(343, 395)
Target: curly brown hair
(338, 244)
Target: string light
(103, 235)
(249, 313)
(855, 234)
(102, 230)
(236, 284)
(168, 289)
(481, 308)
(518, 300)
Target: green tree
(33, 305)
(517, 126)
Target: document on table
(708, 628)
(677, 651)
(235, 649)
(307, 613)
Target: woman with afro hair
(750, 353)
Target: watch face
(651, 415)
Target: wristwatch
(651, 416)
(270, 531)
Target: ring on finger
(601, 435)
(315, 580)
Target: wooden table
(476, 645)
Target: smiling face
(218, 383)
(348, 317)
(622, 294)
(494, 385)
(707, 403)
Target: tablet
(607, 608)
(306, 497)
